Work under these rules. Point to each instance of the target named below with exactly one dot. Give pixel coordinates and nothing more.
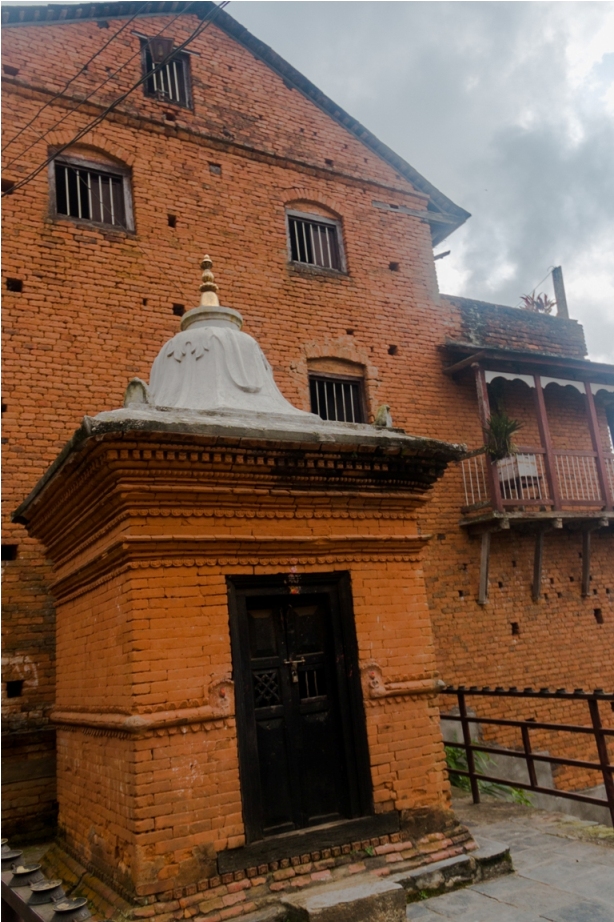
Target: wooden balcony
(525, 483)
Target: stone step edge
(491, 859)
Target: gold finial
(208, 288)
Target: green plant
(457, 759)
(541, 304)
(498, 434)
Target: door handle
(294, 664)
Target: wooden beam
(484, 567)
(538, 560)
(593, 424)
(586, 563)
(544, 432)
(464, 363)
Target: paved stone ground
(564, 870)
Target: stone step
(363, 898)
(490, 859)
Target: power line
(535, 287)
(86, 98)
(66, 85)
(100, 118)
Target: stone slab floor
(564, 870)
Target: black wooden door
(300, 764)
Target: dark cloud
(501, 105)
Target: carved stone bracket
(374, 686)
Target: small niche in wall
(178, 310)
(14, 688)
(598, 615)
(172, 220)
(9, 552)
(14, 284)
(392, 350)
(515, 626)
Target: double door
(299, 712)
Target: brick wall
(484, 324)
(97, 304)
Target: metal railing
(596, 729)
(522, 478)
(577, 475)
(475, 481)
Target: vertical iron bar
(462, 707)
(79, 212)
(602, 751)
(111, 198)
(67, 190)
(327, 231)
(526, 742)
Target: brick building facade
(324, 238)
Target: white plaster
(563, 382)
(211, 365)
(509, 376)
(595, 388)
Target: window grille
(90, 195)
(168, 82)
(314, 243)
(339, 399)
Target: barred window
(169, 81)
(91, 194)
(314, 241)
(339, 399)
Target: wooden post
(559, 293)
(593, 424)
(538, 558)
(586, 563)
(484, 566)
(484, 411)
(544, 432)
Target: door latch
(294, 664)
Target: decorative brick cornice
(233, 551)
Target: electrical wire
(535, 287)
(66, 85)
(86, 98)
(100, 118)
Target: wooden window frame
(316, 219)
(184, 57)
(97, 167)
(351, 379)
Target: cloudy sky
(508, 108)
